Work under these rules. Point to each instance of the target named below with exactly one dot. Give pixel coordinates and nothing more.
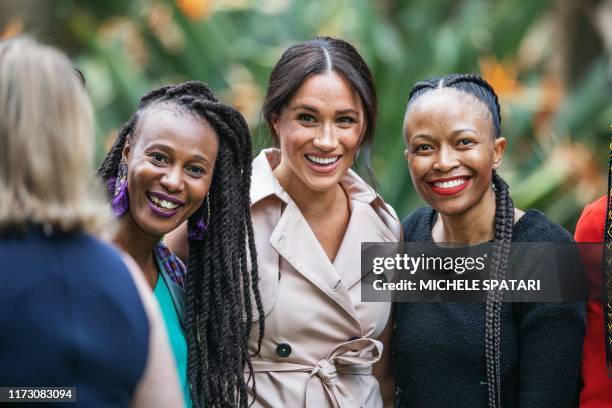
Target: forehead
(448, 107)
(329, 89)
(175, 126)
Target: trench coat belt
(353, 357)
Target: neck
(472, 227)
(129, 237)
(310, 202)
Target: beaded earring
(196, 232)
(120, 202)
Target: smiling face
(451, 150)
(319, 131)
(170, 159)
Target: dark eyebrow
(464, 130)
(306, 107)
(200, 158)
(345, 111)
(315, 110)
(422, 135)
(168, 149)
(454, 132)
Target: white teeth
(167, 205)
(450, 184)
(322, 160)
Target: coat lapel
(297, 244)
(294, 240)
(365, 226)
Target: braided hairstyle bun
(504, 219)
(218, 311)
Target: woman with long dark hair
(477, 354)
(185, 156)
(311, 213)
(322, 345)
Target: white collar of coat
(264, 183)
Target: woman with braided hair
(185, 156)
(473, 354)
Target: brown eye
(423, 148)
(159, 158)
(465, 142)
(346, 120)
(306, 118)
(196, 170)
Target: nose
(326, 139)
(446, 160)
(172, 179)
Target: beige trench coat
(319, 343)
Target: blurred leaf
(233, 44)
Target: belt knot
(326, 371)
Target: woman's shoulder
(101, 269)
(82, 273)
(75, 248)
(89, 249)
(534, 226)
(417, 225)
(105, 286)
(389, 217)
(591, 225)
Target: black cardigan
(438, 348)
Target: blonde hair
(46, 142)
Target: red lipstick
(452, 189)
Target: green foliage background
(554, 89)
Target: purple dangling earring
(120, 202)
(196, 233)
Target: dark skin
(130, 239)
(451, 153)
(170, 161)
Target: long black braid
(504, 221)
(219, 313)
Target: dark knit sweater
(438, 348)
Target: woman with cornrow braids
(185, 156)
(473, 354)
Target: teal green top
(175, 334)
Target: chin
(450, 212)
(450, 208)
(155, 228)
(321, 186)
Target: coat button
(283, 350)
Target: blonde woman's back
(71, 311)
